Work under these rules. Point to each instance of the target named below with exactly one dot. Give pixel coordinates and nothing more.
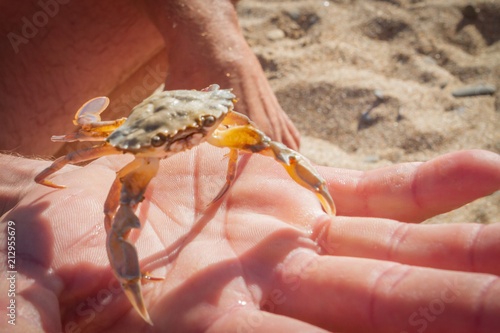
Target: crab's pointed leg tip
(147, 319)
(49, 184)
(220, 194)
(327, 202)
(134, 294)
(149, 277)
(55, 186)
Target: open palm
(265, 257)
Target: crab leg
(97, 131)
(248, 138)
(235, 118)
(302, 172)
(92, 128)
(134, 179)
(73, 158)
(113, 200)
(231, 173)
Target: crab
(166, 123)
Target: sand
(370, 83)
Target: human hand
(265, 257)
(202, 45)
(222, 56)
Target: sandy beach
(372, 83)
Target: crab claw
(132, 289)
(125, 261)
(239, 133)
(303, 173)
(125, 264)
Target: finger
(28, 305)
(413, 192)
(364, 295)
(260, 321)
(463, 247)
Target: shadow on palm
(222, 255)
(252, 257)
(225, 255)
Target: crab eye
(207, 121)
(158, 140)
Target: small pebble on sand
(275, 34)
(474, 91)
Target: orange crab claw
(133, 291)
